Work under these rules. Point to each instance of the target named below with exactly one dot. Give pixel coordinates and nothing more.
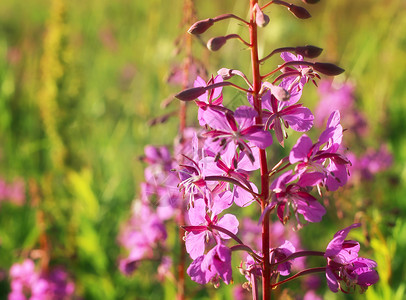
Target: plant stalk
(266, 270)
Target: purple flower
(290, 196)
(28, 283)
(370, 163)
(216, 263)
(345, 270)
(317, 164)
(311, 295)
(279, 115)
(235, 165)
(303, 74)
(237, 128)
(280, 253)
(201, 218)
(142, 233)
(210, 99)
(59, 285)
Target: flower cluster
(225, 166)
(29, 284)
(145, 230)
(220, 170)
(345, 270)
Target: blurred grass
(79, 81)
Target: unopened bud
(310, 1)
(299, 12)
(327, 69)
(225, 73)
(260, 18)
(279, 92)
(309, 51)
(201, 26)
(191, 94)
(216, 43)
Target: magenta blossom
(238, 128)
(216, 263)
(280, 253)
(235, 165)
(202, 217)
(279, 115)
(210, 99)
(303, 74)
(289, 196)
(142, 233)
(29, 283)
(345, 270)
(319, 164)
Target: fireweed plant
(216, 171)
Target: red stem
(266, 270)
(301, 273)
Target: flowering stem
(228, 16)
(254, 287)
(229, 233)
(226, 83)
(299, 254)
(233, 181)
(266, 271)
(279, 50)
(236, 36)
(266, 5)
(248, 249)
(301, 273)
(287, 74)
(287, 64)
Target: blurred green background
(80, 80)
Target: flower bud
(299, 12)
(191, 94)
(260, 18)
(216, 43)
(309, 51)
(225, 73)
(327, 69)
(279, 92)
(201, 26)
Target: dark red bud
(309, 51)
(201, 26)
(191, 94)
(327, 69)
(299, 12)
(310, 1)
(216, 43)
